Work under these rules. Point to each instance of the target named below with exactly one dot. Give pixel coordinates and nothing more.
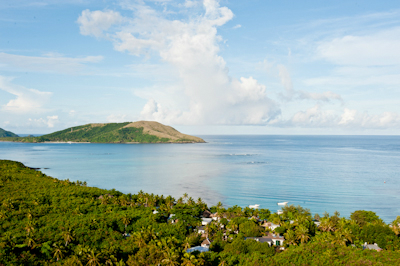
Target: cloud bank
(192, 47)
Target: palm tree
(29, 228)
(185, 196)
(58, 251)
(326, 225)
(170, 257)
(338, 238)
(191, 201)
(189, 260)
(290, 237)
(139, 239)
(68, 236)
(93, 259)
(302, 234)
(186, 244)
(347, 234)
(395, 225)
(232, 226)
(30, 242)
(126, 220)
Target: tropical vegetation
(6, 134)
(47, 221)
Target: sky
(204, 67)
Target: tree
(189, 260)
(290, 237)
(126, 220)
(93, 258)
(68, 236)
(338, 238)
(58, 251)
(363, 217)
(302, 234)
(170, 257)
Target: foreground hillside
(5, 134)
(136, 132)
(46, 221)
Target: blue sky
(204, 67)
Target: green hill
(5, 134)
(136, 132)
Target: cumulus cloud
(94, 23)
(317, 117)
(49, 121)
(27, 100)
(50, 62)
(192, 46)
(353, 118)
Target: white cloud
(237, 26)
(96, 22)
(291, 94)
(313, 117)
(353, 118)
(317, 117)
(50, 121)
(50, 62)
(192, 47)
(376, 49)
(27, 100)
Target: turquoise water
(322, 173)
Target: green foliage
(46, 221)
(6, 134)
(97, 133)
(363, 217)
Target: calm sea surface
(322, 173)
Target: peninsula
(128, 132)
(5, 134)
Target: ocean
(322, 173)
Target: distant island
(6, 134)
(128, 132)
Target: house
(171, 218)
(270, 225)
(201, 229)
(262, 239)
(206, 243)
(371, 246)
(271, 239)
(206, 214)
(205, 221)
(214, 216)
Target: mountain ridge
(127, 132)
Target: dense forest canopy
(6, 134)
(46, 221)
